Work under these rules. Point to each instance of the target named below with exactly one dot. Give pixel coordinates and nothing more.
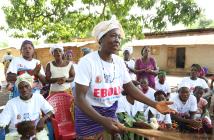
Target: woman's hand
(37, 69)
(61, 80)
(163, 108)
(195, 124)
(40, 125)
(112, 126)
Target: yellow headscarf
(24, 77)
(105, 26)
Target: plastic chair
(62, 121)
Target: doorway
(180, 57)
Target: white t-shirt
(150, 95)
(20, 64)
(131, 64)
(105, 80)
(125, 106)
(191, 84)
(75, 70)
(164, 87)
(180, 107)
(160, 117)
(17, 110)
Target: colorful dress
(151, 64)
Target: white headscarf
(24, 77)
(56, 47)
(105, 26)
(129, 48)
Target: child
(131, 114)
(27, 130)
(164, 121)
(161, 84)
(202, 112)
(148, 91)
(186, 106)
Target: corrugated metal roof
(178, 40)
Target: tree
(202, 23)
(66, 19)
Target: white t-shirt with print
(20, 64)
(164, 87)
(105, 80)
(125, 106)
(131, 64)
(17, 110)
(180, 107)
(160, 117)
(191, 84)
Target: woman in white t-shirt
(100, 77)
(59, 73)
(193, 80)
(186, 106)
(26, 107)
(26, 64)
(130, 63)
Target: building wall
(13, 51)
(202, 55)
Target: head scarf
(161, 74)
(69, 52)
(105, 26)
(24, 77)
(56, 47)
(27, 42)
(130, 49)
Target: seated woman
(131, 113)
(202, 112)
(59, 73)
(164, 121)
(186, 106)
(26, 107)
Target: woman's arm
(82, 103)
(71, 75)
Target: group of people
(108, 91)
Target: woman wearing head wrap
(26, 107)
(59, 73)
(26, 64)
(146, 67)
(130, 63)
(100, 77)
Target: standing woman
(146, 67)
(100, 77)
(59, 73)
(26, 64)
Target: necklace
(107, 77)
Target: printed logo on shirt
(106, 92)
(98, 79)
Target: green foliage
(202, 23)
(61, 20)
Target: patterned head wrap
(24, 77)
(105, 26)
